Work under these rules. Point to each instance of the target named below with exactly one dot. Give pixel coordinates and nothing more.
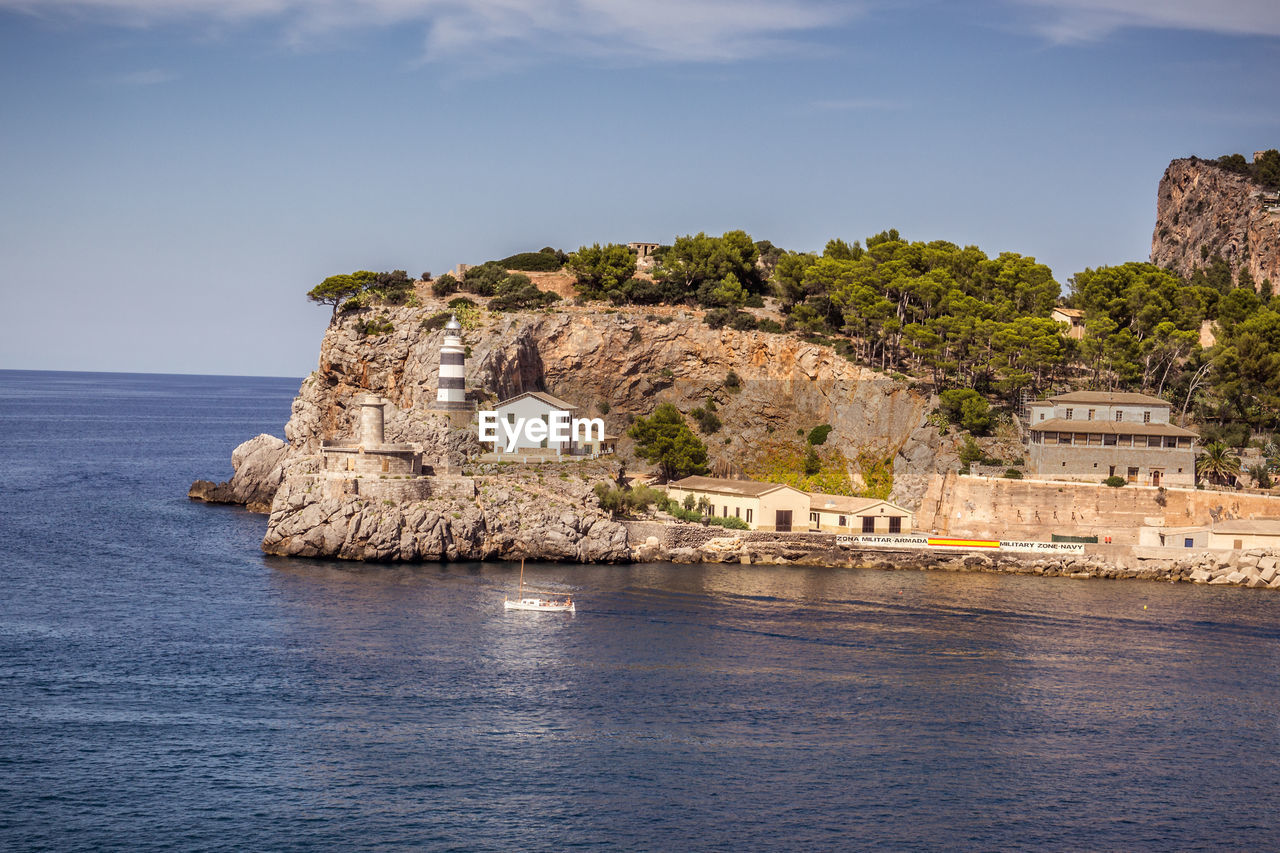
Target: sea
(164, 685)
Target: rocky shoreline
(550, 513)
(682, 543)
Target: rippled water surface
(163, 685)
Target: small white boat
(554, 605)
(550, 605)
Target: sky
(176, 174)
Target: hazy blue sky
(176, 174)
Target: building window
(1092, 412)
(843, 522)
(868, 524)
(1070, 413)
(1119, 417)
(726, 512)
(1109, 440)
(1146, 417)
(1042, 416)
(1133, 475)
(737, 512)
(895, 524)
(748, 516)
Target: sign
(883, 541)
(1044, 547)
(927, 542)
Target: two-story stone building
(1092, 435)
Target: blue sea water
(166, 686)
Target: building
(589, 440)
(1093, 435)
(644, 254)
(451, 392)
(1245, 534)
(1073, 318)
(1173, 537)
(843, 514)
(763, 506)
(370, 453)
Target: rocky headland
(613, 363)
(1204, 210)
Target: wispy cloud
(1089, 20)
(633, 30)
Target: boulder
(259, 466)
(1201, 576)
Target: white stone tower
(371, 420)
(451, 389)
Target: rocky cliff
(611, 363)
(1203, 210)
(510, 516)
(625, 362)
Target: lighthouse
(451, 390)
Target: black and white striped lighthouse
(451, 389)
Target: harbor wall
(1035, 509)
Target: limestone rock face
(630, 360)
(455, 518)
(614, 364)
(1202, 205)
(259, 465)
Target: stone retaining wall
(693, 543)
(1033, 509)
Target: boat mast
(520, 589)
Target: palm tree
(1217, 464)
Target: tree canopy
(601, 270)
(665, 440)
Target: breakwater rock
(259, 466)
(440, 518)
(692, 543)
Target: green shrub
(375, 326)
(445, 285)
(732, 522)
(708, 420)
(517, 291)
(967, 409)
(818, 435)
(970, 452)
(435, 321)
(1114, 481)
(533, 262)
(483, 280)
(462, 302)
(1013, 474)
(764, 324)
(732, 382)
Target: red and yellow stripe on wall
(964, 543)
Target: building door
(1155, 476)
(1113, 471)
(1133, 475)
(782, 521)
